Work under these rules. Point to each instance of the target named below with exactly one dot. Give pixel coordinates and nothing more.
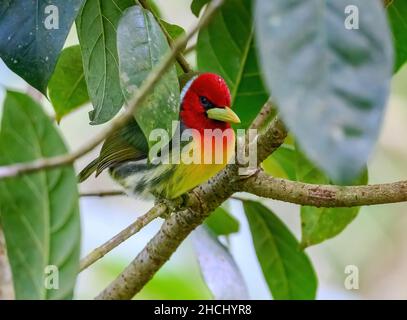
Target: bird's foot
(172, 205)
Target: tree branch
(155, 212)
(330, 196)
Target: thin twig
(155, 212)
(112, 193)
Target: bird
(205, 104)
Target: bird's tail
(88, 170)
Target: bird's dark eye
(206, 103)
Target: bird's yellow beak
(223, 114)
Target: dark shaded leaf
(39, 211)
(226, 47)
(330, 83)
(218, 267)
(141, 45)
(287, 269)
(397, 13)
(197, 5)
(32, 34)
(222, 223)
(320, 224)
(67, 88)
(96, 26)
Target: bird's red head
(206, 103)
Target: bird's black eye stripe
(206, 103)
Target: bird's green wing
(126, 144)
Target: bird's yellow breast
(211, 154)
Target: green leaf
(397, 13)
(282, 163)
(197, 5)
(218, 267)
(32, 34)
(222, 223)
(330, 83)
(67, 88)
(174, 30)
(320, 224)
(226, 47)
(96, 26)
(141, 45)
(39, 211)
(287, 269)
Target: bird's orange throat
(215, 147)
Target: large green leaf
(330, 83)
(397, 13)
(320, 224)
(218, 267)
(226, 47)
(67, 88)
(39, 211)
(96, 25)
(32, 33)
(222, 223)
(141, 45)
(287, 269)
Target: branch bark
(263, 185)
